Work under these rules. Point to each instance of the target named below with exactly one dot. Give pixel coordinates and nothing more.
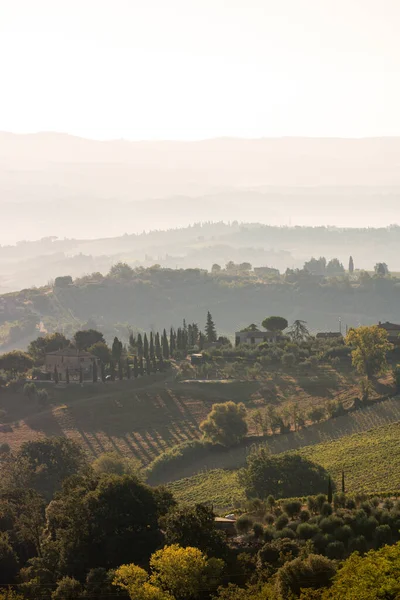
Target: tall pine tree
(145, 347)
(172, 343)
(157, 346)
(165, 345)
(151, 347)
(135, 367)
(140, 345)
(120, 370)
(351, 265)
(141, 367)
(211, 332)
(128, 369)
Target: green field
(370, 460)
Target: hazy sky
(188, 69)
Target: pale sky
(192, 69)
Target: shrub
(226, 424)
(288, 359)
(313, 572)
(292, 508)
(258, 530)
(335, 550)
(306, 531)
(286, 475)
(358, 544)
(344, 533)
(269, 518)
(304, 515)
(339, 500)
(286, 532)
(243, 524)
(383, 535)
(269, 534)
(326, 509)
(281, 522)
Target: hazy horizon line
(197, 139)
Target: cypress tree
(120, 370)
(330, 490)
(171, 342)
(161, 365)
(128, 369)
(103, 372)
(141, 367)
(145, 347)
(211, 332)
(116, 350)
(148, 366)
(94, 372)
(151, 348)
(179, 339)
(139, 345)
(132, 342)
(154, 361)
(135, 367)
(202, 339)
(56, 378)
(67, 375)
(157, 346)
(80, 375)
(351, 265)
(112, 370)
(343, 486)
(165, 345)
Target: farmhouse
(70, 358)
(328, 335)
(393, 331)
(253, 336)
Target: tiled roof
(71, 352)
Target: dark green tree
(67, 375)
(210, 330)
(80, 375)
(145, 347)
(116, 350)
(15, 362)
(103, 372)
(351, 265)
(275, 324)
(49, 462)
(128, 369)
(172, 342)
(86, 338)
(165, 345)
(139, 345)
(132, 343)
(141, 366)
(157, 346)
(55, 375)
(135, 367)
(120, 370)
(154, 364)
(151, 346)
(194, 526)
(101, 351)
(44, 344)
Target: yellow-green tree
(185, 572)
(370, 347)
(226, 424)
(176, 572)
(374, 576)
(135, 581)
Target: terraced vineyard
(370, 460)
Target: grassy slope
(371, 461)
